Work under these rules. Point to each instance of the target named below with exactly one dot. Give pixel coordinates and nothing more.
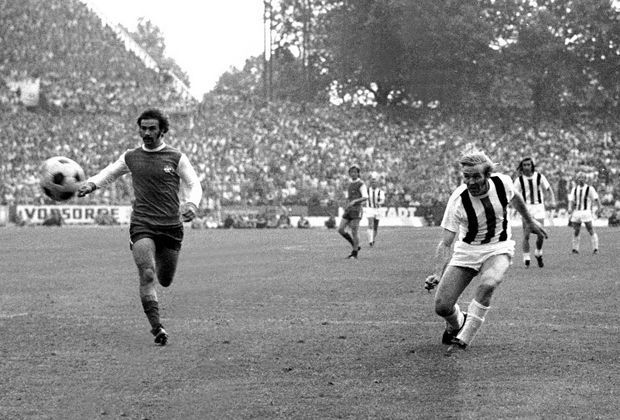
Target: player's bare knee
(485, 292)
(147, 275)
(443, 307)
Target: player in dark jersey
(160, 175)
(357, 194)
(477, 218)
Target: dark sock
(347, 237)
(151, 309)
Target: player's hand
(188, 212)
(431, 282)
(86, 188)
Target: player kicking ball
(477, 218)
(158, 173)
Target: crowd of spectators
(246, 152)
(81, 63)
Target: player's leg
(370, 231)
(593, 237)
(375, 226)
(452, 284)
(526, 245)
(354, 225)
(491, 275)
(166, 264)
(540, 239)
(143, 251)
(576, 236)
(342, 229)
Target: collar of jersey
(157, 149)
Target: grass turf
(278, 324)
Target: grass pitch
(277, 324)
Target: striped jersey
(483, 219)
(376, 197)
(582, 197)
(532, 188)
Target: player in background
(160, 173)
(357, 194)
(534, 188)
(580, 203)
(477, 217)
(376, 198)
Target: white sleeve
(593, 194)
(364, 190)
(110, 173)
(450, 220)
(190, 188)
(517, 185)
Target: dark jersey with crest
(355, 192)
(156, 184)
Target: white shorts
(371, 212)
(473, 256)
(581, 216)
(537, 211)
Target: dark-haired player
(357, 195)
(477, 217)
(159, 174)
(534, 188)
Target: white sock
(475, 317)
(370, 235)
(576, 242)
(455, 320)
(538, 252)
(594, 241)
(526, 257)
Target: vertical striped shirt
(376, 197)
(482, 219)
(532, 188)
(583, 197)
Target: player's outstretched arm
(443, 252)
(519, 205)
(86, 188)
(107, 175)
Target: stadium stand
(247, 152)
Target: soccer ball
(61, 177)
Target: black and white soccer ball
(61, 178)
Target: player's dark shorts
(353, 213)
(169, 237)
